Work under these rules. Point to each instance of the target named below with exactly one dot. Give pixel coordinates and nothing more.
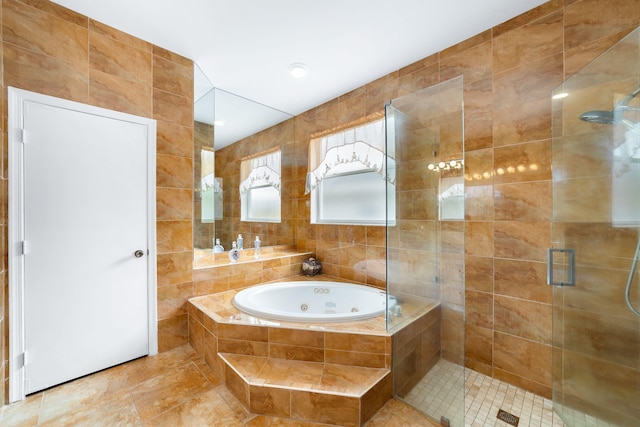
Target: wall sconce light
(451, 164)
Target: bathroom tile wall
(49, 49)
(509, 72)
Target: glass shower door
(596, 221)
(425, 249)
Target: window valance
(357, 149)
(260, 171)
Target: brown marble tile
(528, 43)
(525, 383)
(172, 332)
(601, 384)
(522, 279)
(292, 352)
(172, 299)
(419, 79)
(145, 368)
(523, 201)
(478, 114)
(251, 348)
(522, 123)
(174, 140)
(174, 236)
(380, 91)
(576, 58)
(292, 374)
(118, 59)
(173, 77)
(479, 309)
(236, 385)
(523, 162)
(474, 63)
(589, 20)
(584, 199)
(528, 17)
(23, 413)
(324, 408)
(172, 108)
(354, 358)
(525, 240)
(479, 274)
(118, 94)
(478, 167)
(43, 33)
(526, 84)
(59, 11)
(341, 379)
(166, 391)
(116, 410)
(174, 172)
(174, 268)
(604, 337)
(352, 342)
(206, 409)
(270, 401)
(398, 414)
(523, 358)
(479, 237)
(478, 203)
(44, 74)
(375, 398)
(171, 56)
(197, 335)
(119, 36)
(296, 337)
(526, 319)
(479, 348)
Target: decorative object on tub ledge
(311, 267)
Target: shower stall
(596, 223)
(425, 249)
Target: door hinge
(22, 136)
(23, 247)
(22, 359)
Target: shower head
(599, 116)
(615, 116)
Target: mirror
(227, 130)
(207, 195)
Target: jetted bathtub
(312, 301)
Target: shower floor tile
(439, 393)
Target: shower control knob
(139, 253)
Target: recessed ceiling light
(218, 123)
(298, 70)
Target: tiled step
(307, 391)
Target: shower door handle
(570, 271)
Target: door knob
(139, 253)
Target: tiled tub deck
(334, 373)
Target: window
(260, 188)
(348, 177)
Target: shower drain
(508, 418)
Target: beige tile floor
(440, 393)
(175, 388)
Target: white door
(86, 242)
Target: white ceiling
(246, 46)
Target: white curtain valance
(260, 171)
(357, 149)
